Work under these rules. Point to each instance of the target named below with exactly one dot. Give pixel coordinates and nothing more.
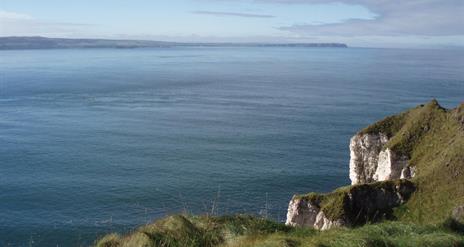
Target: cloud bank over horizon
(395, 18)
(359, 22)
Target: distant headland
(20, 43)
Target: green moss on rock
(359, 204)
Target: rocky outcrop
(305, 212)
(364, 155)
(370, 161)
(390, 166)
(369, 198)
(302, 212)
(351, 206)
(323, 223)
(384, 156)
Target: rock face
(384, 156)
(323, 223)
(369, 198)
(304, 212)
(379, 170)
(370, 161)
(390, 166)
(364, 155)
(357, 205)
(370, 202)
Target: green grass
(200, 231)
(243, 231)
(432, 137)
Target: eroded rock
(371, 161)
(390, 165)
(323, 223)
(351, 206)
(301, 212)
(307, 212)
(364, 154)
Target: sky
(365, 23)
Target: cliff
(407, 169)
(421, 151)
(371, 160)
(349, 206)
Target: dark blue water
(93, 141)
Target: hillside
(21, 43)
(406, 199)
(432, 138)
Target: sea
(94, 141)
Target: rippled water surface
(101, 140)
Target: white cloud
(394, 18)
(13, 16)
(20, 24)
(412, 17)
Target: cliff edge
(407, 166)
(407, 169)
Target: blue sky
(357, 22)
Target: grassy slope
(433, 139)
(244, 231)
(431, 136)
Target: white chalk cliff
(303, 212)
(364, 156)
(370, 161)
(357, 204)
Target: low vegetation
(357, 204)
(243, 231)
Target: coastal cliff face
(304, 212)
(392, 166)
(349, 206)
(364, 156)
(427, 141)
(394, 149)
(371, 161)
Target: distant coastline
(29, 43)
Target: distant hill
(20, 43)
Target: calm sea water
(93, 141)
